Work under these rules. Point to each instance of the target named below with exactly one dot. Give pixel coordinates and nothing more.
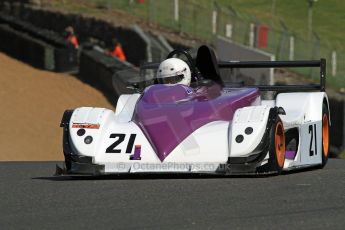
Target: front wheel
(276, 149)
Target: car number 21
(119, 138)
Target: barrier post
(176, 11)
(214, 22)
(292, 48)
(228, 30)
(251, 35)
(334, 63)
(343, 134)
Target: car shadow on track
(151, 176)
(158, 176)
(143, 177)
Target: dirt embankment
(32, 103)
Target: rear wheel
(325, 134)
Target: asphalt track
(31, 198)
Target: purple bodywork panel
(168, 114)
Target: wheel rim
(280, 144)
(325, 135)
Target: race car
(191, 121)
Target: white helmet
(174, 71)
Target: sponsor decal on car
(85, 126)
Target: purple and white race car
(190, 121)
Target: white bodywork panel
(199, 152)
(209, 143)
(304, 112)
(254, 117)
(301, 107)
(125, 107)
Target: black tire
(325, 134)
(276, 149)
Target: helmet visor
(170, 80)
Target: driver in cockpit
(173, 71)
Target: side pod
(250, 137)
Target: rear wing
(281, 64)
(273, 64)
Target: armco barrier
(47, 36)
(61, 55)
(65, 59)
(26, 48)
